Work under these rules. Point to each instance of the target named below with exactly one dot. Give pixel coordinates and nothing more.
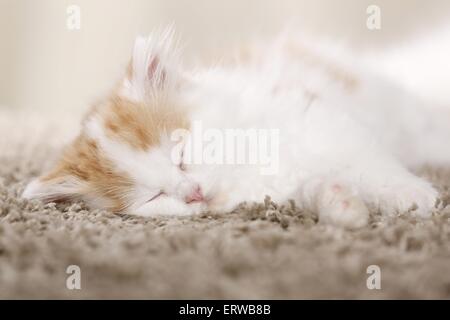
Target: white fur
(151, 171)
(160, 45)
(68, 187)
(340, 153)
(356, 139)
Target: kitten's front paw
(415, 196)
(339, 205)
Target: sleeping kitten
(338, 140)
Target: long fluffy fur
(346, 140)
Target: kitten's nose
(195, 196)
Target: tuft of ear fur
(54, 190)
(154, 65)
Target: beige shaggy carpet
(260, 251)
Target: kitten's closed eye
(181, 165)
(161, 193)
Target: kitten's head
(124, 159)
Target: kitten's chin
(197, 207)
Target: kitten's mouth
(205, 200)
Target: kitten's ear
(56, 189)
(155, 64)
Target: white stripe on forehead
(136, 163)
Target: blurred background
(44, 65)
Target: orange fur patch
(139, 125)
(84, 161)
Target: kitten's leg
(345, 199)
(342, 149)
(379, 184)
(340, 205)
(335, 201)
(391, 189)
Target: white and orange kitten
(344, 138)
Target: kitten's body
(345, 138)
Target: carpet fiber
(260, 251)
